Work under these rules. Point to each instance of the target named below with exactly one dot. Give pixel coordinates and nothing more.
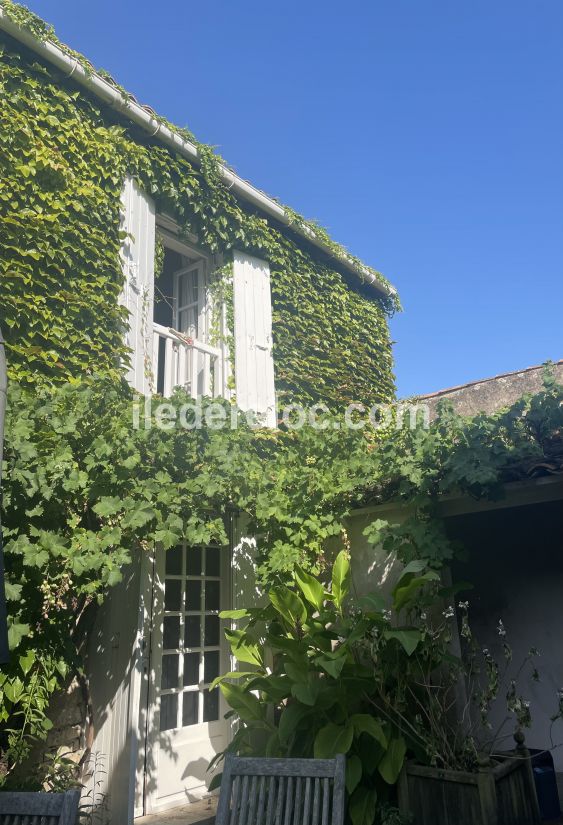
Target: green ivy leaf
(16, 632)
(26, 661)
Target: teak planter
(503, 794)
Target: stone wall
(491, 394)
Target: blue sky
(426, 136)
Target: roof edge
(111, 96)
(524, 370)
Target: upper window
(190, 301)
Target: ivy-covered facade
(96, 209)
(64, 159)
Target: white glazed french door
(186, 725)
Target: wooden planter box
(504, 794)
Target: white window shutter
(138, 220)
(254, 363)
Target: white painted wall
(516, 567)
(518, 578)
(372, 567)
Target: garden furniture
(262, 791)
(30, 808)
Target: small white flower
(526, 704)
(387, 615)
(485, 651)
(463, 605)
(500, 628)
(423, 616)
(448, 613)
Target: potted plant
(440, 697)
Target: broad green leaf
(310, 587)
(215, 782)
(298, 671)
(291, 715)
(332, 664)
(234, 614)
(373, 602)
(392, 762)
(307, 693)
(409, 639)
(353, 772)
(272, 688)
(242, 648)
(405, 594)
(341, 578)
(413, 567)
(234, 674)
(273, 745)
(362, 807)
(288, 605)
(333, 739)
(364, 723)
(247, 706)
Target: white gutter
(71, 67)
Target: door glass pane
(183, 290)
(191, 669)
(210, 705)
(171, 632)
(193, 595)
(189, 710)
(212, 561)
(192, 634)
(168, 711)
(210, 665)
(169, 678)
(172, 594)
(193, 561)
(174, 561)
(211, 631)
(212, 595)
(187, 322)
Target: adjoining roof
(491, 394)
(70, 64)
(448, 390)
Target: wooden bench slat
(252, 801)
(251, 766)
(268, 791)
(243, 801)
(316, 802)
(30, 808)
(272, 785)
